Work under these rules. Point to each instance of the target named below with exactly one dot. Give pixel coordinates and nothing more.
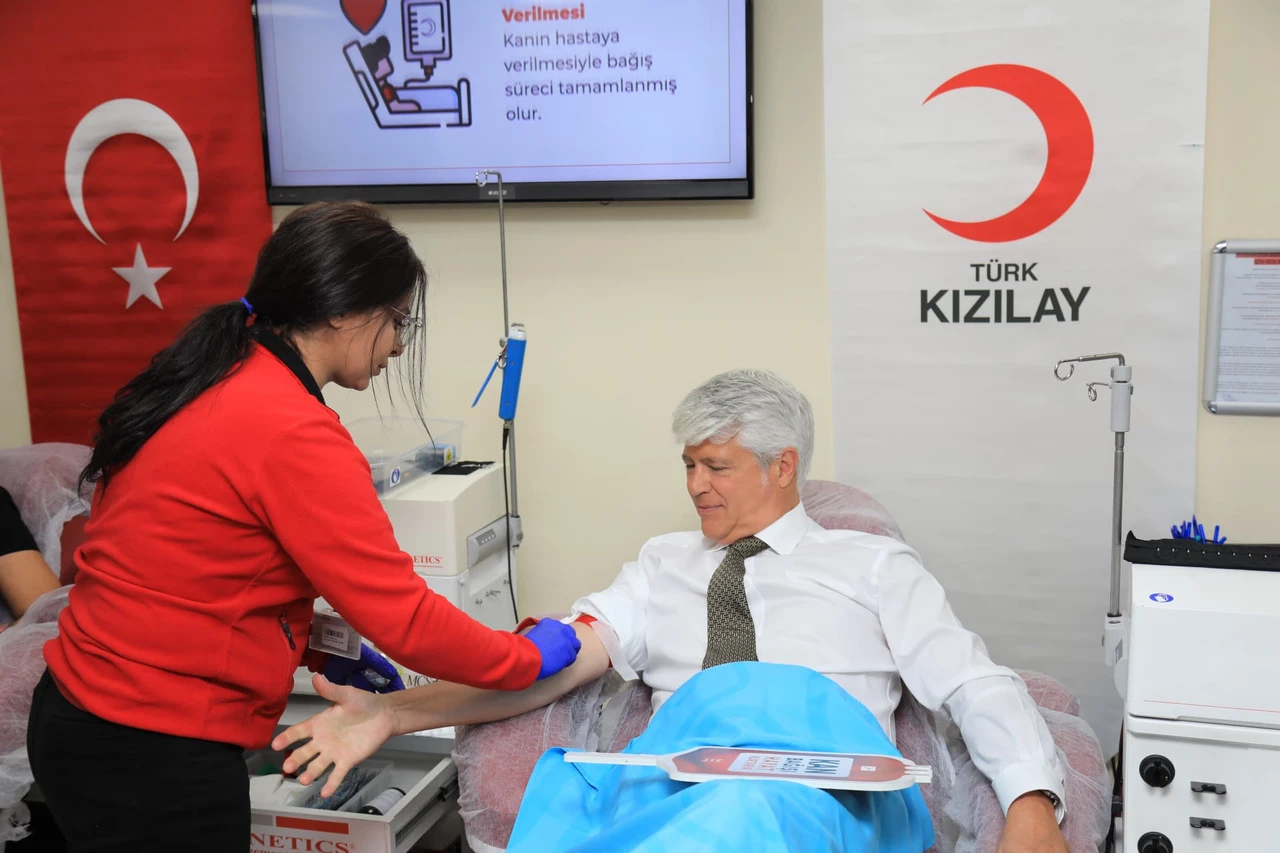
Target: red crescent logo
(1070, 138)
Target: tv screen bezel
(515, 191)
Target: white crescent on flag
(121, 116)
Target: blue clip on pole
(516, 341)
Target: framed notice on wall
(1242, 343)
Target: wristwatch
(1057, 803)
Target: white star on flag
(142, 279)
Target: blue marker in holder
(1194, 531)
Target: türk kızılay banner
(1011, 183)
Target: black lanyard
(278, 347)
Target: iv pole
(509, 426)
(1121, 386)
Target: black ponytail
(206, 351)
(324, 260)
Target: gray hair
(766, 413)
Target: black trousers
(113, 788)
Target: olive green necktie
(731, 635)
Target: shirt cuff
(1027, 777)
(607, 638)
(529, 621)
(612, 645)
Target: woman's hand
(558, 644)
(371, 672)
(341, 736)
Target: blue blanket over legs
(585, 807)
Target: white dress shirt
(858, 608)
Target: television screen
(407, 100)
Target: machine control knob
(1154, 842)
(1156, 771)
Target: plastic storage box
(430, 787)
(400, 450)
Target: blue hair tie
(245, 303)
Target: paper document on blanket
(828, 770)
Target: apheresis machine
(1196, 657)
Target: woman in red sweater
(228, 498)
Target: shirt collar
(289, 357)
(783, 535)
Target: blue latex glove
(558, 643)
(372, 672)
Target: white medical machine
(1196, 659)
(1202, 702)
(455, 526)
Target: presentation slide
(367, 92)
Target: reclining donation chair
(42, 479)
(495, 760)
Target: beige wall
(629, 305)
(1238, 459)
(15, 428)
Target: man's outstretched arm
(446, 704)
(359, 722)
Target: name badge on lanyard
(332, 635)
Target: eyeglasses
(406, 327)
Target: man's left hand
(1032, 827)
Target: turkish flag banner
(131, 157)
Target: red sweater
(193, 599)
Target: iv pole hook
(1071, 363)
